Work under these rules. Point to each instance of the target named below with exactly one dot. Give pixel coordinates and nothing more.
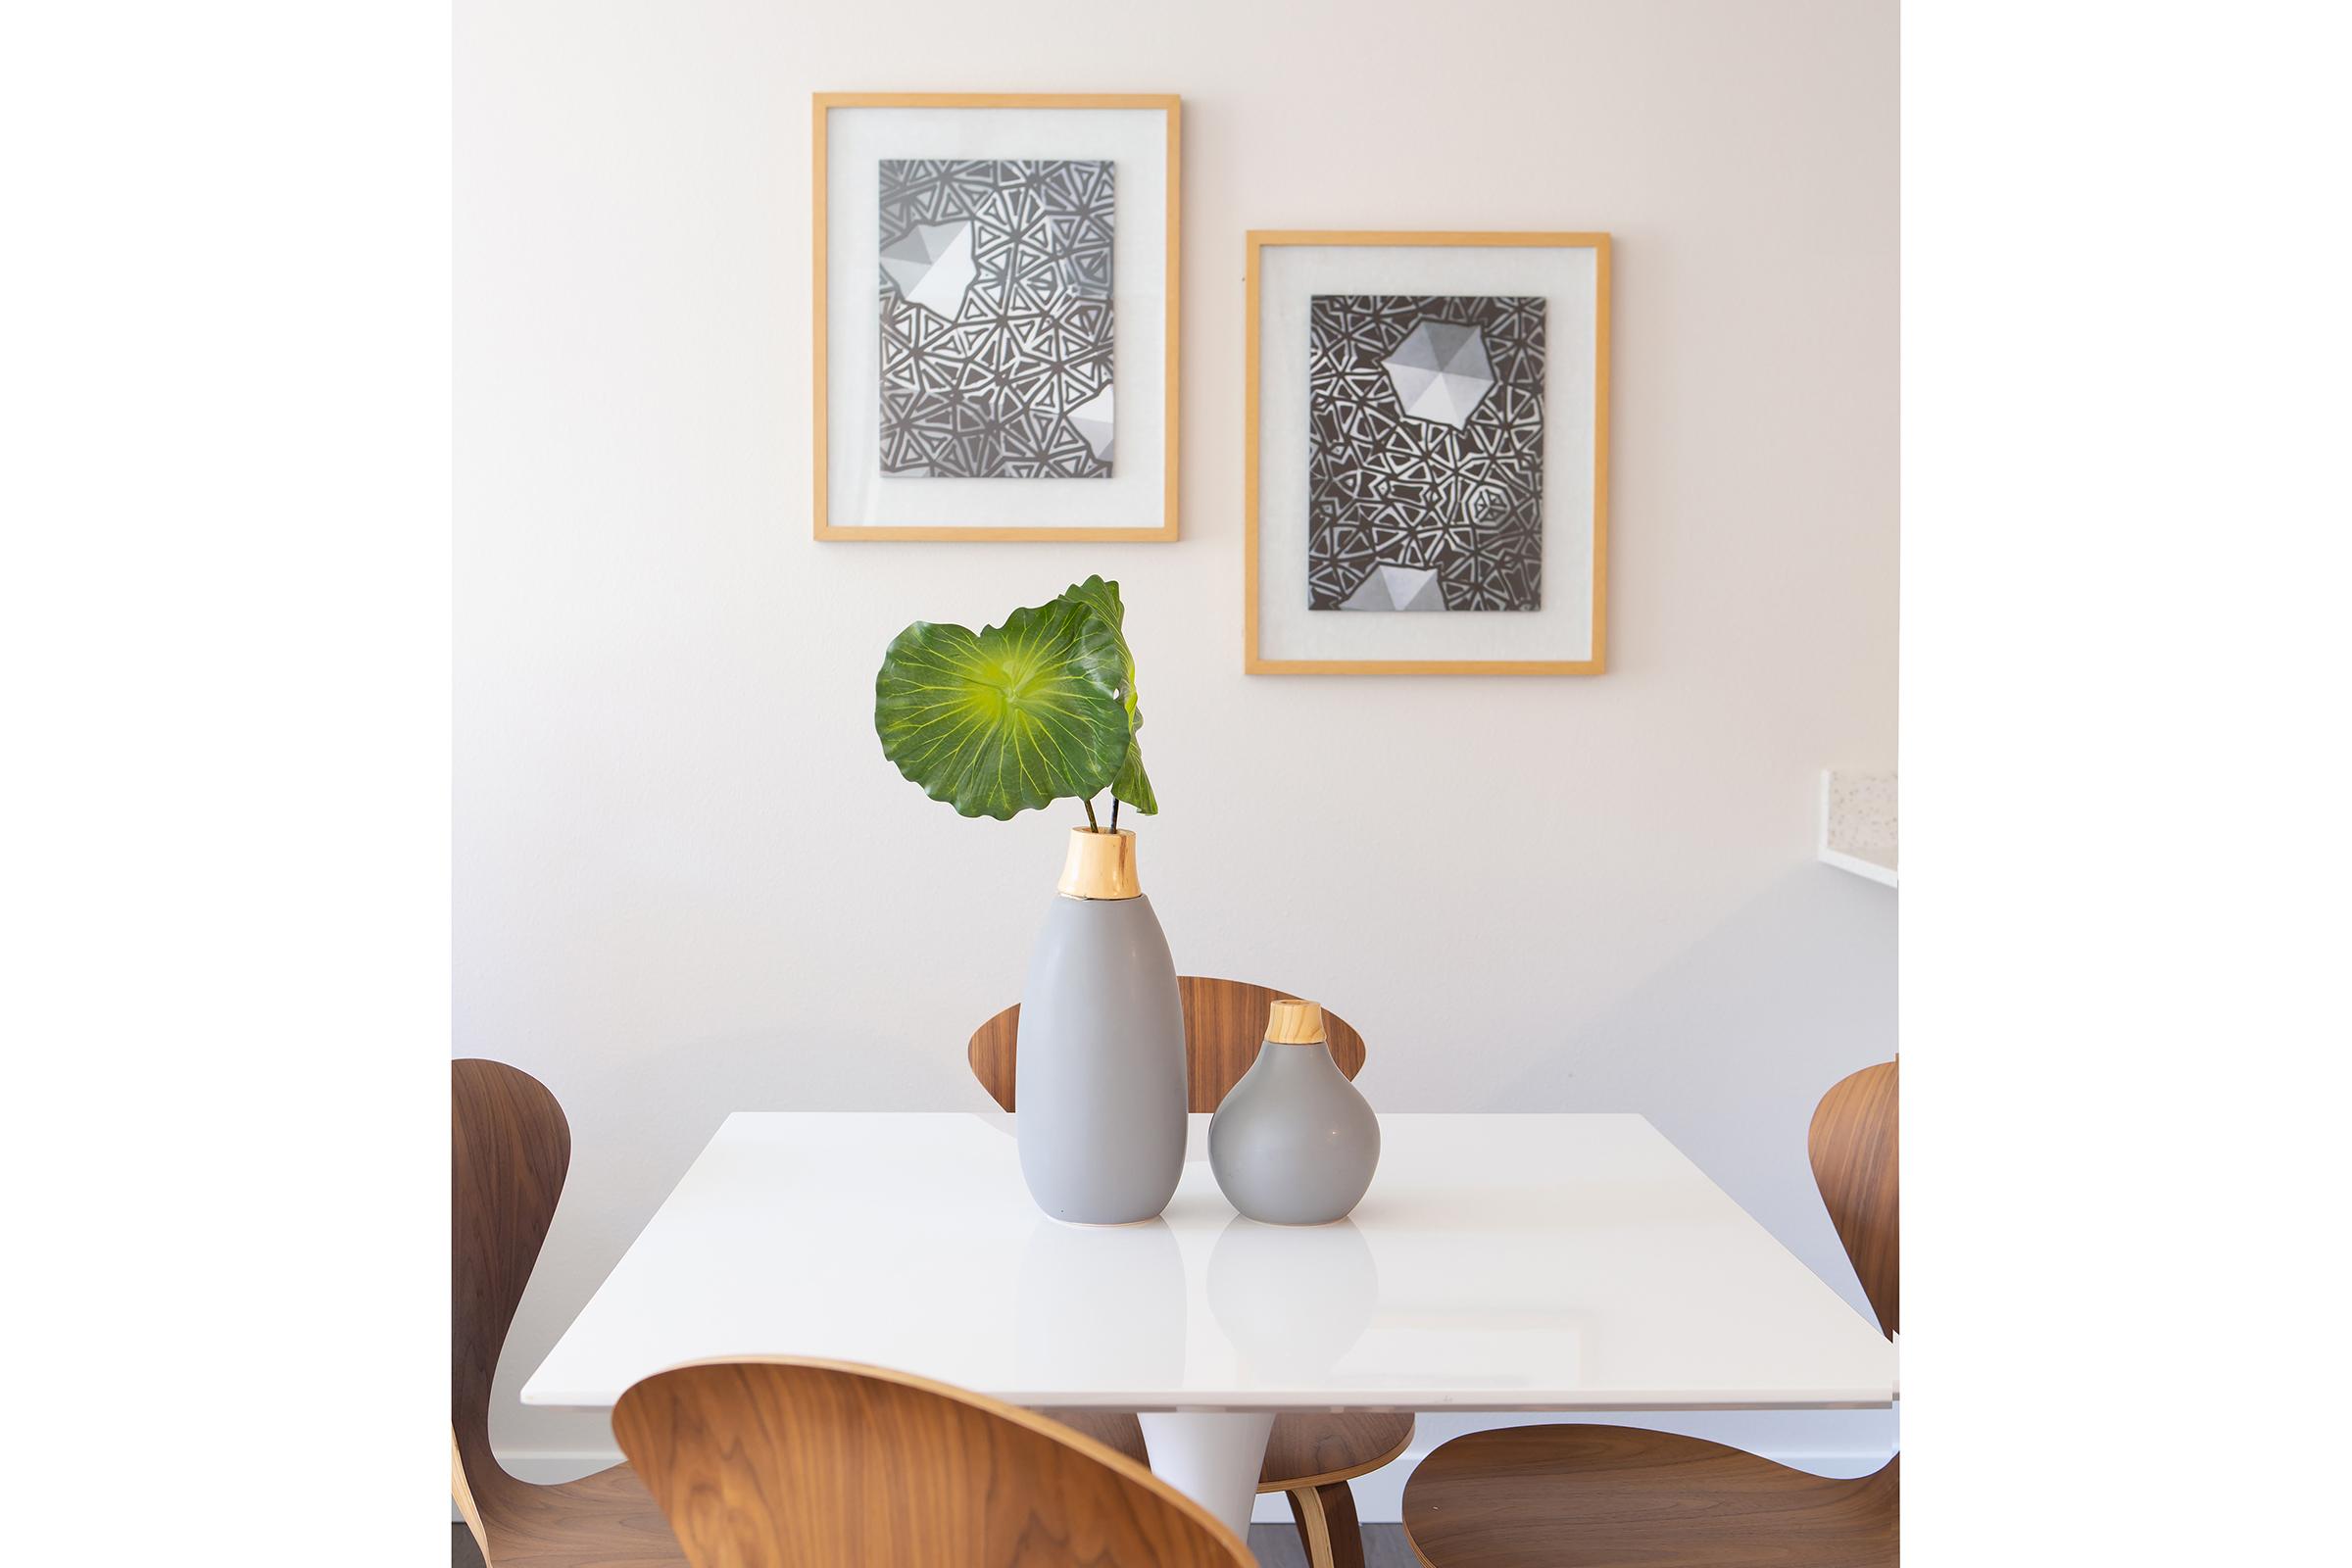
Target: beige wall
(688, 882)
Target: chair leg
(1325, 1520)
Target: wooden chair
(1224, 1022)
(510, 1148)
(1309, 1458)
(790, 1463)
(1586, 1496)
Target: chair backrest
(792, 1463)
(1224, 1022)
(510, 1148)
(1857, 1165)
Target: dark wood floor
(1276, 1545)
(1385, 1547)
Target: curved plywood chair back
(510, 1148)
(1854, 1150)
(788, 1463)
(1224, 1020)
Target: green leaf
(1007, 719)
(1131, 786)
(1103, 598)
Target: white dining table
(1565, 1262)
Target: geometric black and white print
(1425, 463)
(995, 318)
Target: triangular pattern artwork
(996, 318)
(1425, 461)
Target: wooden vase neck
(1100, 865)
(1295, 1023)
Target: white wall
(687, 881)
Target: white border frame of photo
(1569, 637)
(851, 499)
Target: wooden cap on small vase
(1295, 1023)
(1100, 865)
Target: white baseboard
(1842, 1442)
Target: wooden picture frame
(823, 106)
(1594, 657)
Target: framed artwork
(1426, 489)
(995, 315)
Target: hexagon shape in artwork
(1441, 372)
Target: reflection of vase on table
(1292, 1298)
(1101, 1306)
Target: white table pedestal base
(1213, 1459)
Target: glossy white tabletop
(1541, 1262)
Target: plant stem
(1091, 826)
(1114, 814)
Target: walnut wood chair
(790, 1463)
(1587, 1496)
(1309, 1458)
(510, 1148)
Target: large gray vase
(1294, 1142)
(1099, 1071)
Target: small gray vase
(1098, 1072)
(1294, 1143)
